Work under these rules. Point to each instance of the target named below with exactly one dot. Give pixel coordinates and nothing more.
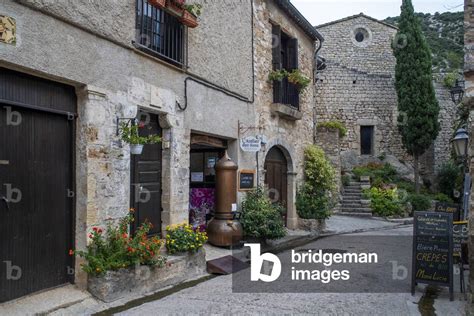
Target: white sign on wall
(250, 144)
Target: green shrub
(447, 178)
(337, 125)
(319, 173)
(260, 217)
(313, 205)
(384, 202)
(346, 180)
(441, 197)
(378, 173)
(405, 185)
(420, 202)
(449, 80)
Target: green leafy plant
(115, 249)
(379, 174)
(449, 80)
(441, 197)
(277, 75)
(195, 9)
(295, 77)
(317, 196)
(385, 202)
(130, 134)
(448, 178)
(313, 205)
(184, 238)
(260, 217)
(336, 125)
(420, 202)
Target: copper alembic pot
(223, 230)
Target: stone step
(352, 198)
(355, 214)
(352, 190)
(352, 205)
(356, 209)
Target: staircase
(353, 203)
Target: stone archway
(277, 154)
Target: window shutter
(276, 47)
(293, 53)
(277, 62)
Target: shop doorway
(205, 152)
(276, 178)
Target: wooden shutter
(277, 62)
(293, 53)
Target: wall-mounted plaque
(7, 30)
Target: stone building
(468, 99)
(74, 70)
(356, 85)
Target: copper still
(223, 230)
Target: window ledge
(286, 111)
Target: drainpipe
(315, 73)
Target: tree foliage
(417, 103)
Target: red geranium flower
(71, 252)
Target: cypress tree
(417, 104)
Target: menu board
(247, 180)
(455, 209)
(433, 249)
(460, 237)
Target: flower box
(189, 19)
(159, 4)
(179, 3)
(175, 9)
(115, 285)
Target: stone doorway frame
(289, 153)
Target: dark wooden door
(146, 178)
(366, 139)
(36, 164)
(276, 178)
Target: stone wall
(469, 100)
(358, 88)
(291, 136)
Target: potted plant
(131, 135)
(160, 4)
(297, 78)
(190, 14)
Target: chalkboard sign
(433, 249)
(246, 180)
(460, 237)
(455, 209)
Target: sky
(322, 11)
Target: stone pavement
(217, 297)
(70, 301)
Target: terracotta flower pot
(174, 9)
(188, 19)
(179, 3)
(160, 4)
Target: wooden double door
(36, 184)
(276, 178)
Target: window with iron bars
(160, 34)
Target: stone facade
(221, 91)
(357, 87)
(291, 136)
(468, 99)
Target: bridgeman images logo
(259, 261)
